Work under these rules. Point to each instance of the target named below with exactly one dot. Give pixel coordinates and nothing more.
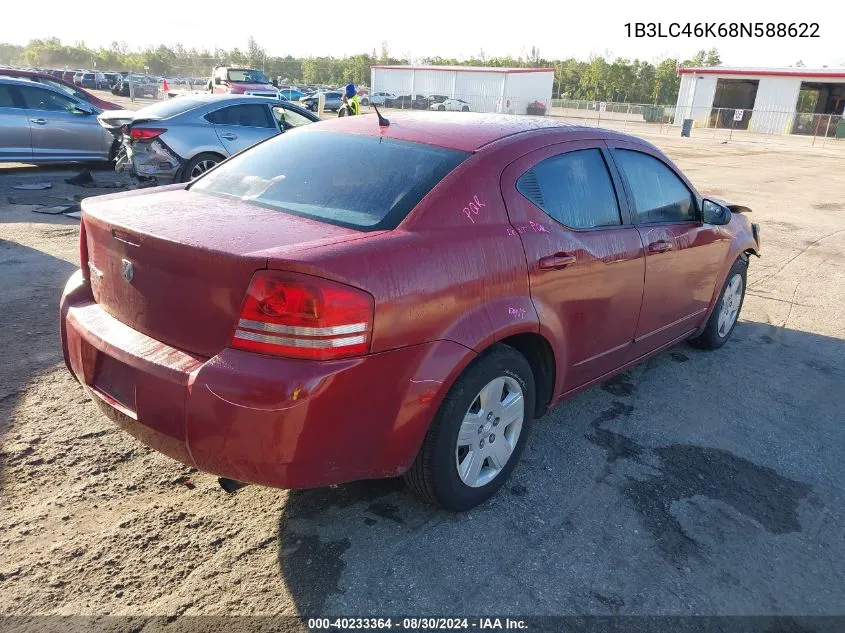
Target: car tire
(465, 109)
(365, 102)
(435, 474)
(442, 108)
(725, 314)
(200, 163)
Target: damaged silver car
(179, 139)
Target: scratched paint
(518, 313)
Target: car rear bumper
(278, 422)
(150, 161)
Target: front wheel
(478, 433)
(723, 319)
(465, 109)
(441, 108)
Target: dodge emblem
(127, 270)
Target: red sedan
(352, 300)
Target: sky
(445, 28)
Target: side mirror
(275, 83)
(218, 81)
(714, 213)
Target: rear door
(682, 253)
(59, 131)
(241, 126)
(585, 258)
(15, 137)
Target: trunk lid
(176, 265)
(114, 120)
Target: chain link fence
(719, 124)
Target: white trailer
(485, 89)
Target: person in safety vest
(350, 101)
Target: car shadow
(31, 283)
(664, 490)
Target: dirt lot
(697, 483)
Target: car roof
(464, 131)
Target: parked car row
(61, 84)
(415, 102)
(137, 85)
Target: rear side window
(362, 182)
(573, 188)
(659, 195)
(249, 115)
(6, 100)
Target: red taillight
(83, 250)
(146, 133)
(300, 316)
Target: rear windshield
(168, 108)
(362, 182)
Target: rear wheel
(723, 319)
(199, 164)
(441, 108)
(478, 433)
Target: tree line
(596, 79)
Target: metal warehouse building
(486, 89)
(772, 101)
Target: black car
(142, 86)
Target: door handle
(661, 246)
(39, 121)
(557, 261)
(229, 136)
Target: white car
(456, 105)
(377, 98)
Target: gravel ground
(697, 483)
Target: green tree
(713, 58)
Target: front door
(241, 126)
(682, 254)
(585, 258)
(59, 130)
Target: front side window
(573, 188)
(659, 195)
(38, 99)
(289, 118)
(362, 182)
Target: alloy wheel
(201, 167)
(490, 431)
(731, 301)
